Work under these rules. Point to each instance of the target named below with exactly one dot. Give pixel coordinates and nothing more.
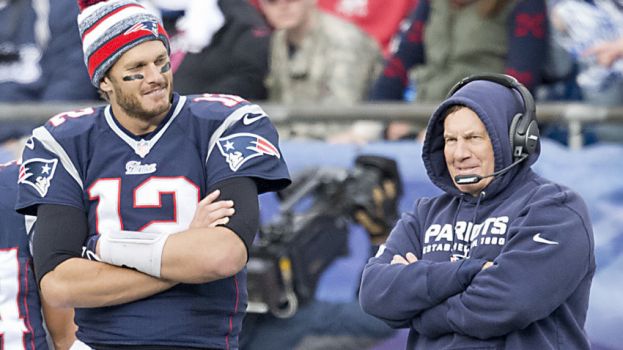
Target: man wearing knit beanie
(146, 208)
(110, 28)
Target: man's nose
(153, 73)
(461, 151)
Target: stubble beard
(134, 109)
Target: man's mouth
(467, 170)
(160, 89)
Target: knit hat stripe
(103, 27)
(100, 71)
(117, 44)
(95, 13)
(118, 29)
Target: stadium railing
(575, 115)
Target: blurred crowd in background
(339, 52)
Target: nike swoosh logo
(250, 118)
(537, 238)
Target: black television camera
(311, 229)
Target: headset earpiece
(524, 130)
(530, 140)
(523, 143)
(512, 134)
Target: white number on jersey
(226, 100)
(12, 325)
(147, 195)
(62, 117)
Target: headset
(524, 130)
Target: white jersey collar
(142, 147)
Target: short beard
(133, 107)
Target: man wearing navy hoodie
(504, 258)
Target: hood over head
(495, 105)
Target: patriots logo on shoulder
(149, 26)
(239, 148)
(38, 173)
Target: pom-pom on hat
(110, 28)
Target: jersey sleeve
(246, 144)
(47, 175)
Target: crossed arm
(527, 283)
(77, 282)
(397, 286)
(500, 297)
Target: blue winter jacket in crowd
(41, 52)
(537, 233)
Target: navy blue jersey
(152, 183)
(21, 324)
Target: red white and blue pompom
(86, 3)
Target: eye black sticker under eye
(133, 77)
(166, 67)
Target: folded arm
(66, 279)
(528, 281)
(202, 253)
(398, 292)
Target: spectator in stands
(592, 34)
(319, 58)
(40, 60)
(450, 39)
(217, 46)
(373, 16)
(40, 52)
(606, 53)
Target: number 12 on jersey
(148, 194)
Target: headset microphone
(472, 179)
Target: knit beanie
(110, 28)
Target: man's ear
(106, 84)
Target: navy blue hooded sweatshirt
(537, 233)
